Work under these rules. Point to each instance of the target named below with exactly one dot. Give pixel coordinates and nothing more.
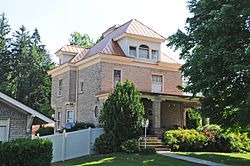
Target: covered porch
(166, 111)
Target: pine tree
(4, 53)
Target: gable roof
(25, 108)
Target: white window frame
(7, 125)
(67, 118)
(162, 84)
(58, 120)
(157, 55)
(113, 77)
(148, 49)
(81, 86)
(59, 88)
(135, 51)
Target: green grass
(241, 159)
(124, 159)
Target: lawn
(241, 159)
(124, 159)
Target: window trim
(58, 87)
(96, 115)
(157, 56)
(148, 49)
(81, 89)
(163, 82)
(58, 127)
(7, 125)
(113, 77)
(135, 51)
(67, 118)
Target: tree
(122, 113)
(82, 40)
(30, 62)
(4, 52)
(215, 46)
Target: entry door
(4, 130)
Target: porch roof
(157, 96)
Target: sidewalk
(191, 159)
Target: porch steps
(154, 142)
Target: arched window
(144, 51)
(96, 111)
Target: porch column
(156, 110)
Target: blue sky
(57, 19)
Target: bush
(78, 126)
(147, 151)
(194, 119)
(130, 146)
(210, 127)
(104, 144)
(26, 152)
(232, 142)
(185, 140)
(45, 131)
(122, 113)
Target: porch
(166, 111)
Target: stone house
(132, 51)
(16, 119)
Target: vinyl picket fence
(73, 144)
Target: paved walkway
(191, 159)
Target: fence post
(63, 144)
(90, 137)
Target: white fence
(73, 144)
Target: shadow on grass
(238, 159)
(123, 159)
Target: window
(117, 77)
(144, 51)
(157, 83)
(69, 116)
(58, 121)
(96, 111)
(60, 83)
(154, 54)
(132, 51)
(81, 86)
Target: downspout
(76, 107)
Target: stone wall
(18, 121)
(140, 76)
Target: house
(16, 119)
(132, 51)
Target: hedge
(26, 152)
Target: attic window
(155, 54)
(132, 51)
(144, 51)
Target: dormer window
(144, 51)
(132, 51)
(154, 54)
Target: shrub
(122, 113)
(233, 142)
(185, 140)
(147, 151)
(26, 152)
(210, 127)
(194, 119)
(104, 144)
(45, 131)
(130, 146)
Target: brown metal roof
(108, 46)
(167, 59)
(72, 49)
(137, 28)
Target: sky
(57, 19)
